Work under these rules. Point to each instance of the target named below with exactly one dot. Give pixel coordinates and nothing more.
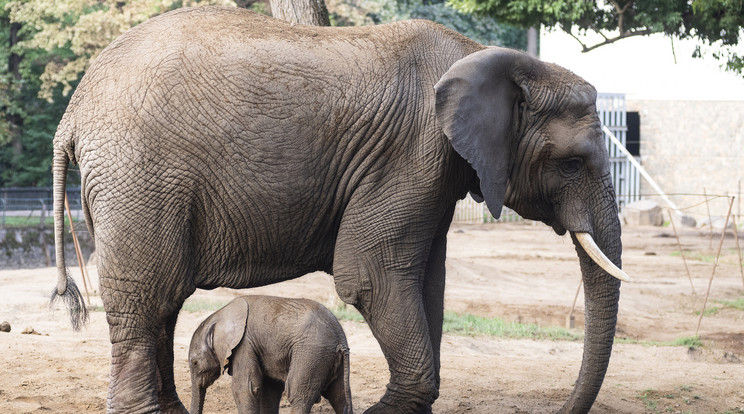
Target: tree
(712, 22)
(85, 27)
(307, 12)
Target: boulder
(643, 213)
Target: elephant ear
(229, 330)
(476, 104)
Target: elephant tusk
(591, 248)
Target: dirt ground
(520, 272)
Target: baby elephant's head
(211, 348)
(203, 362)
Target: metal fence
(31, 204)
(470, 211)
(625, 177)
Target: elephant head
(531, 132)
(212, 346)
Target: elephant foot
(173, 407)
(400, 407)
(382, 408)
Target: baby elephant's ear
(229, 330)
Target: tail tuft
(73, 300)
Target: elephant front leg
(167, 396)
(397, 319)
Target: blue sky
(644, 68)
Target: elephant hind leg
(335, 393)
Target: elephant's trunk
(601, 296)
(197, 398)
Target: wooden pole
(715, 264)
(570, 320)
(78, 252)
(681, 252)
(738, 249)
(710, 221)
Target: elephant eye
(571, 166)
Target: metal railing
(27, 206)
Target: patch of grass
(737, 304)
(347, 313)
(469, 325)
(199, 305)
(33, 221)
(649, 398)
(689, 341)
(708, 257)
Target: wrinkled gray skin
(218, 147)
(265, 342)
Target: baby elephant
(265, 342)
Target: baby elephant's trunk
(197, 398)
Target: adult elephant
(218, 147)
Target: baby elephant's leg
(247, 384)
(307, 376)
(335, 393)
(271, 396)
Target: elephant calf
(265, 342)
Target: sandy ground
(519, 272)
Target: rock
(687, 221)
(716, 222)
(643, 213)
(30, 331)
(5, 326)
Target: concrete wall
(688, 146)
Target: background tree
(44, 49)
(713, 22)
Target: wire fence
(29, 206)
(471, 212)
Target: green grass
(649, 398)
(682, 341)
(707, 257)
(347, 313)
(469, 325)
(737, 304)
(32, 221)
(199, 305)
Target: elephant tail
(66, 288)
(343, 349)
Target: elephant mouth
(558, 229)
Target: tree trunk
(307, 12)
(14, 120)
(532, 36)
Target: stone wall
(689, 146)
(24, 247)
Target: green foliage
(347, 313)
(194, 305)
(467, 325)
(483, 29)
(712, 22)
